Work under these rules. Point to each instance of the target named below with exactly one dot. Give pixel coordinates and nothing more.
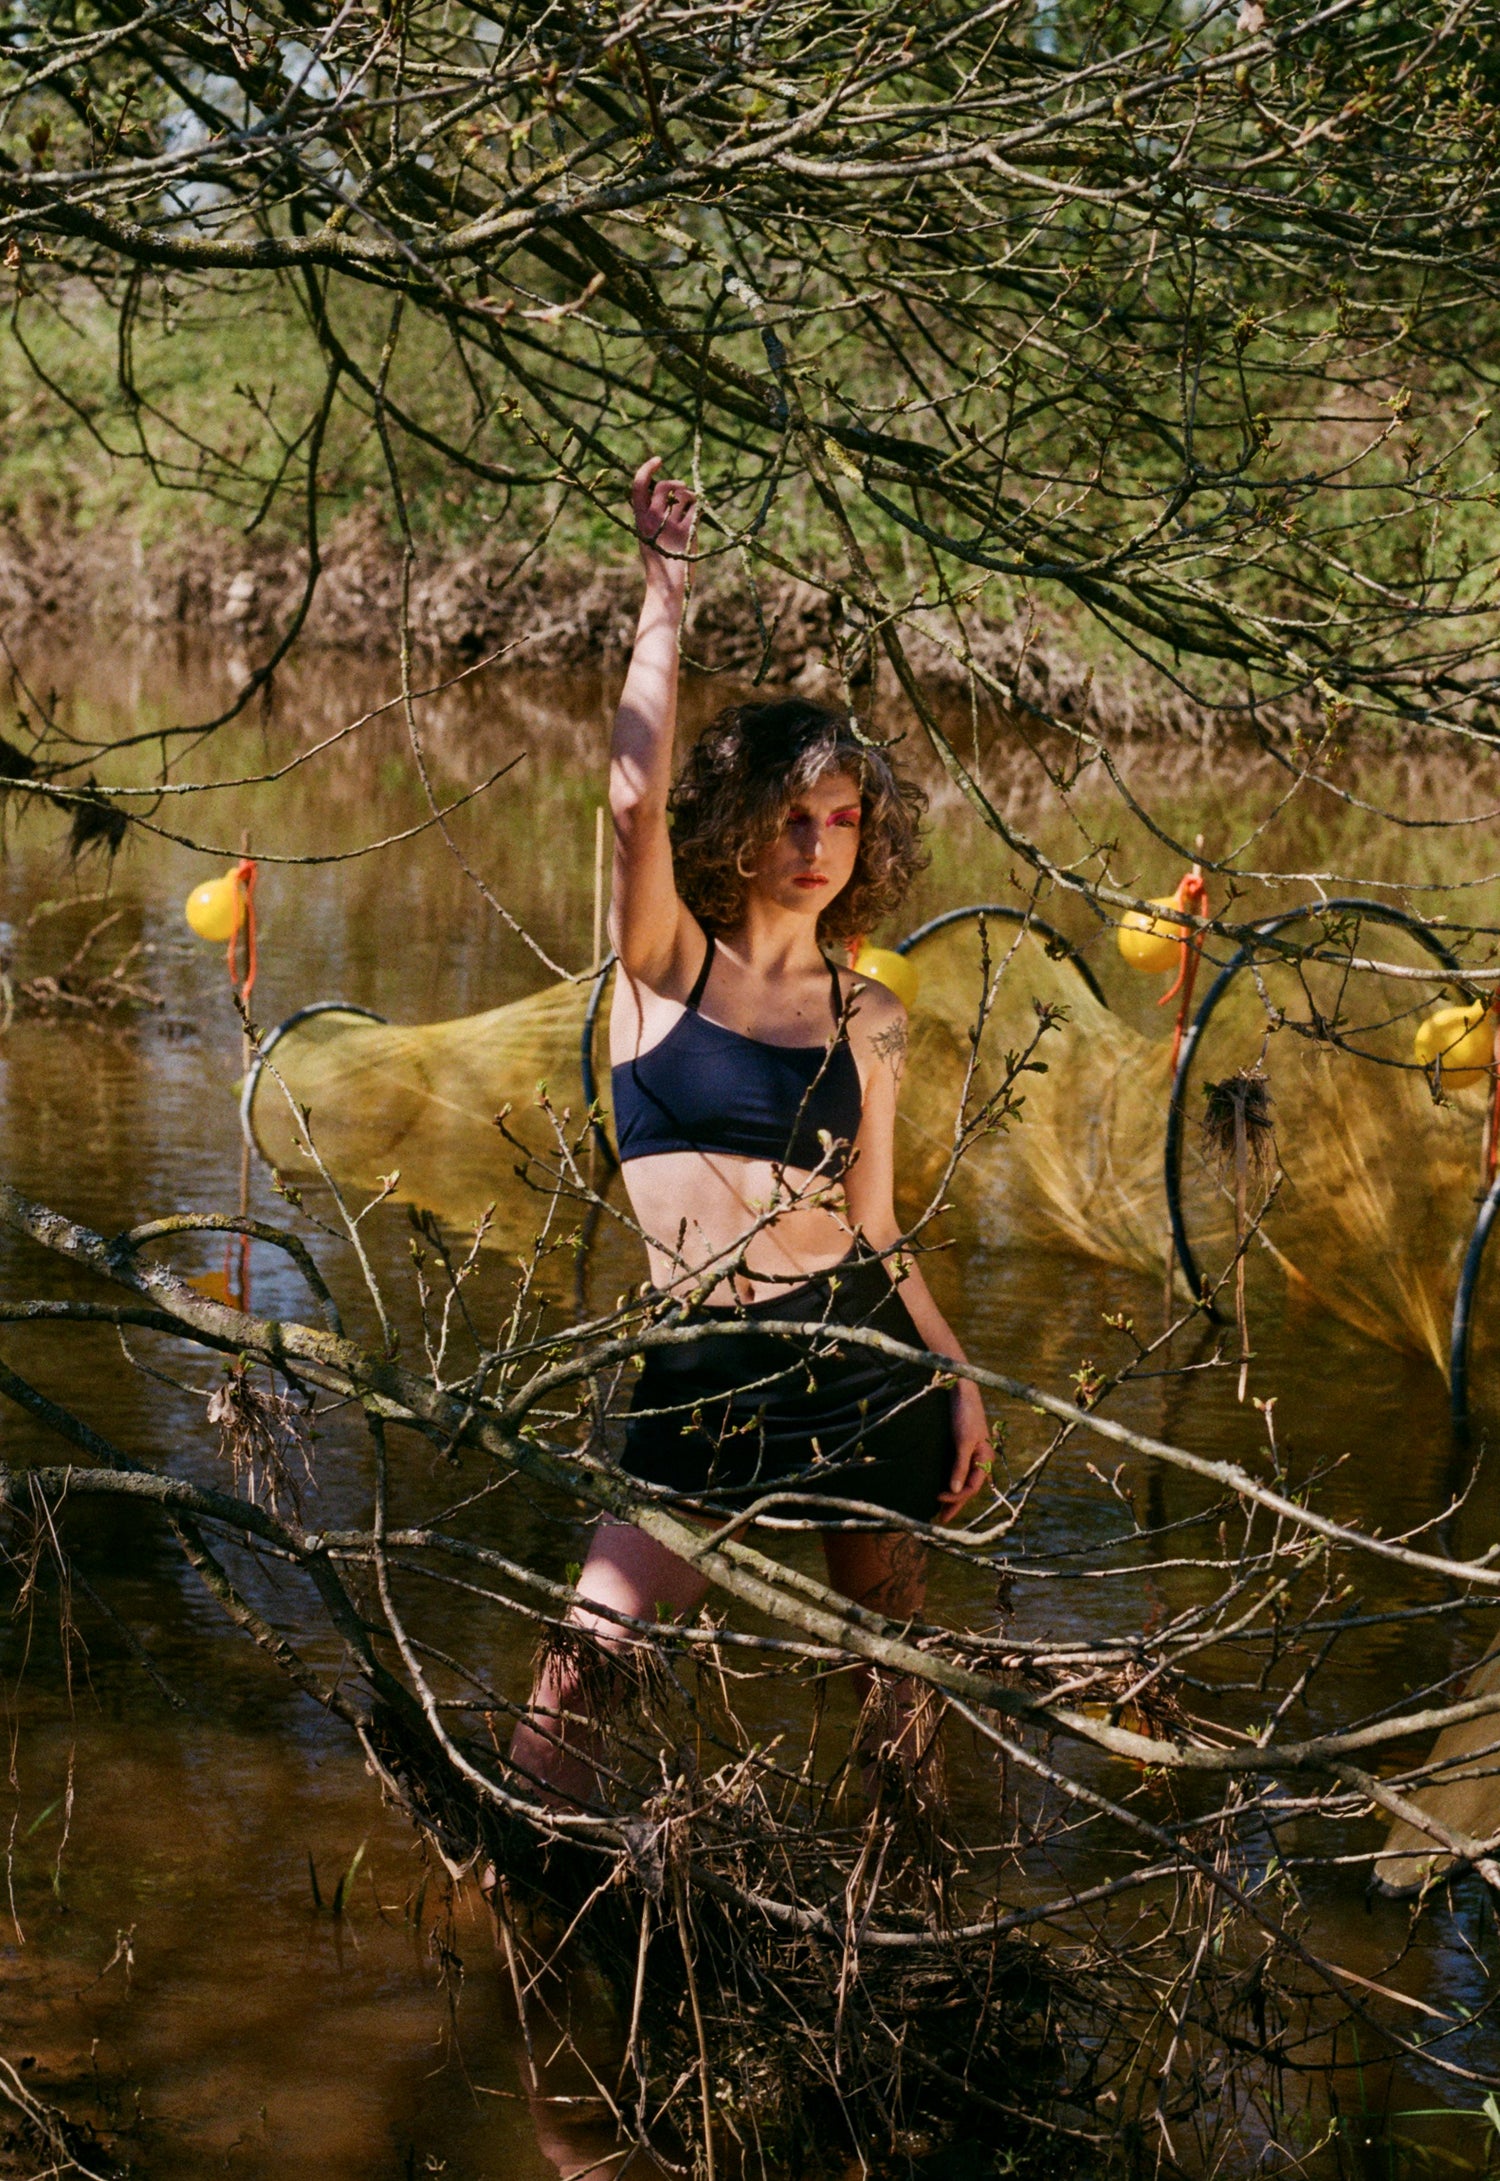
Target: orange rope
(245, 875)
(242, 987)
(1492, 1123)
(1192, 898)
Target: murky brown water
(166, 1957)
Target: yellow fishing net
(1371, 1219)
(1378, 1196)
(1464, 1797)
(1080, 1167)
(1371, 1216)
(420, 1101)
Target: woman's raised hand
(665, 512)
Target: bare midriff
(697, 1207)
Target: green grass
(207, 439)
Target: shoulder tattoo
(889, 1045)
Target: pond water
(171, 1833)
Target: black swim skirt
(731, 1416)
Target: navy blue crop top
(708, 1088)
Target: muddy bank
(554, 612)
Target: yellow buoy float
(893, 970)
(1153, 944)
(216, 909)
(1461, 1039)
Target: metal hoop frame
(1378, 912)
(1463, 1309)
(1056, 943)
(269, 1042)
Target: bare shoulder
(877, 1021)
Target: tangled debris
(79, 991)
(96, 823)
(34, 2130)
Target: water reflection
(170, 1948)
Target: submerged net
(1461, 1798)
(1370, 1218)
(420, 1102)
(1378, 1196)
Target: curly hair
(742, 776)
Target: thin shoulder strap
(837, 997)
(701, 982)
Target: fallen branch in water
(778, 1883)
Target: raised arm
(653, 934)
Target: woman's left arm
(878, 1033)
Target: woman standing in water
(754, 1088)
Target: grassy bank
(156, 476)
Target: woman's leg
(630, 1572)
(886, 1571)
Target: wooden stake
(241, 1294)
(1171, 1274)
(1241, 1223)
(598, 889)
